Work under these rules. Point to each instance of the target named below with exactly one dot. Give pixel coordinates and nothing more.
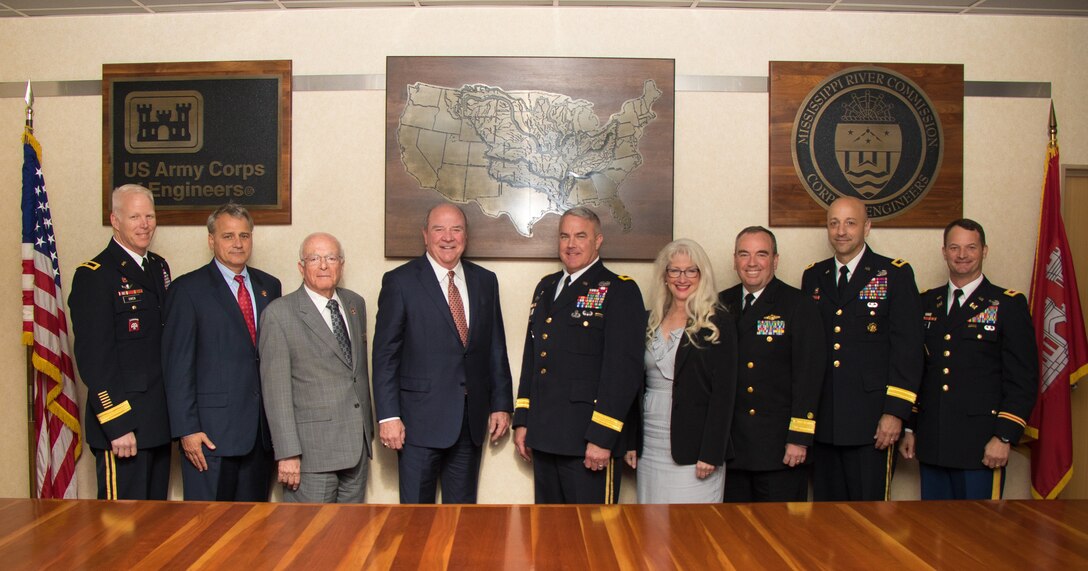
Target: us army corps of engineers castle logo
(869, 133)
(164, 122)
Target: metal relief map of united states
(516, 156)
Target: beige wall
(721, 143)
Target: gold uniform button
(585, 324)
(838, 329)
(544, 371)
(838, 312)
(751, 412)
(944, 370)
(769, 338)
(944, 388)
(872, 313)
(751, 365)
(751, 390)
(810, 416)
(947, 353)
(543, 353)
(548, 320)
(979, 335)
(837, 346)
(947, 337)
(544, 336)
(836, 363)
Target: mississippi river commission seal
(869, 133)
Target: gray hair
(229, 209)
(119, 192)
(427, 217)
(302, 248)
(585, 214)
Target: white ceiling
(31, 8)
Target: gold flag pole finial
(1053, 126)
(29, 98)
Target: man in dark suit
(441, 374)
(211, 369)
(980, 377)
(581, 370)
(870, 309)
(781, 357)
(116, 308)
(314, 381)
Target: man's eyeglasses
(315, 260)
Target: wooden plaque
(199, 135)
(888, 134)
(517, 141)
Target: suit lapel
(828, 289)
(260, 292)
(472, 278)
(682, 353)
(222, 295)
(355, 330)
(311, 316)
(432, 288)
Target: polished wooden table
(122, 535)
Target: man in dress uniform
(980, 377)
(213, 382)
(581, 370)
(116, 306)
(781, 357)
(870, 307)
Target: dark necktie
(843, 272)
(748, 301)
(245, 303)
(566, 284)
(457, 308)
(955, 307)
(144, 264)
(339, 330)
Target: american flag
(45, 330)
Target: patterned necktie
(748, 301)
(955, 307)
(245, 303)
(843, 273)
(457, 308)
(339, 330)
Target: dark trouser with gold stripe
(565, 480)
(145, 476)
(785, 485)
(851, 473)
(939, 483)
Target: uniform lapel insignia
(264, 293)
(882, 273)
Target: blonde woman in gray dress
(691, 365)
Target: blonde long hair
(701, 305)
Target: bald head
(847, 227)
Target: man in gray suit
(316, 389)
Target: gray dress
(660, 479)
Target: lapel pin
(264, 293)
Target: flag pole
(1053, 125)
(31, 437)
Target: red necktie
(246, 304)
(457, 308)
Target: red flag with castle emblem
(45, 330)
(1059, 333)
